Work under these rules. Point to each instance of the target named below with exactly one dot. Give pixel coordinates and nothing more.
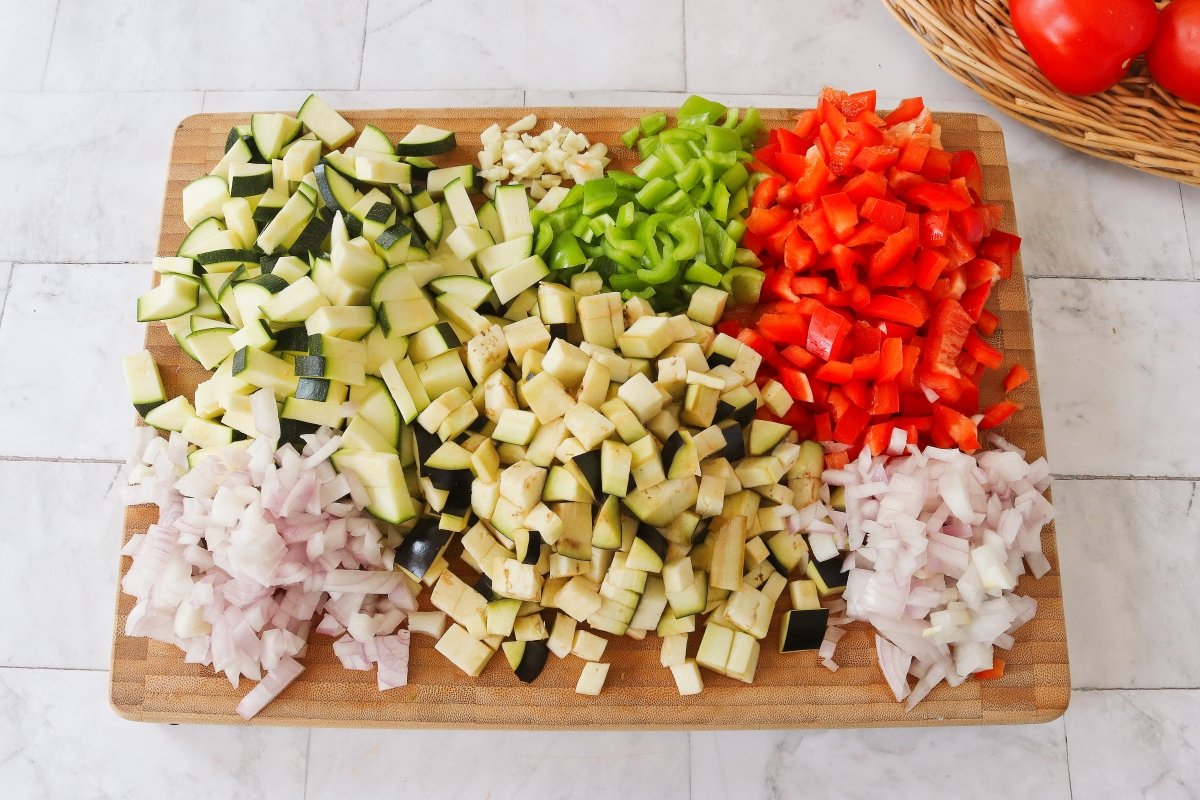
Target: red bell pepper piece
(878, 437)
(905, 111)
(799, 253)
(997, 414)
(958, 426)
(766, 192)
(996, 672)
(885, 400)
(826, 331)
(865, 185)
(885, 212)
(783, 328)
(838, 372)
(841, 159)
(815, 224)
(981, 351)
(797, 355)
(947, 333)
(796, 383)
(1016, 376)
(822, 427)
(894, 309)
(765, 221)
(987, 323)
(899, 245)
(841, 213)
(891, 359)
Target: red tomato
(1084, 46)
(1174, 57)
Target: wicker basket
(1135, 123)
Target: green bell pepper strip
(665, 270)
(688, 237)
(731, 118)
(654, 192)
(719, 201)
(744, 284)
(582, 228)
(746, 258)
(696, 112)
(737, 204)
(679, 136)
(620, 257)
(598, 195)
(565, 252)
(751, 126)
(623, 241)
(646, 146)
(563, 219)
(702, 273)
(676, 156)
(690, 175)
(623, 281)
(646, 231)
(545, 237)
(735, 177)
(722, 158)
(653, 123)
(626, 180)
(626, 215)
(721, 140)
(629, 138)
(645, 294)
(677, 203)
(653, 167)
(573, 197)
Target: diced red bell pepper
(838, 372)
(934, 225)
(826, 331)
(855, 105)
(995, 673)
(905, 111)
(885, 400)
(930, 264)
(947, 332)
(878, 437)
(973, 300)
(783, 329)
(987, 323)
(790, 142)
(822, 427)
(837, 460)
(766, 192)
(1016, 376)
(850, 425)
(894, 309)
(885, 212)
(891, 359)
(815, 224)
(912, 158)
(865, 185)
(810, 285)
(841, 159)
(859, 393)
(866, 367)
(964, 164)
(995, 416)
(807, 123)
(959, 427)
(796, 383)
(877, 158)
(841, 213)
(801, 358)
(937, 197)
(869, 233)
(765, 221)
(799, 253)
(899, 246)
(937, 164)
(981, 351)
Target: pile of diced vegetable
(526, 401)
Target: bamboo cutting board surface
(150, 681)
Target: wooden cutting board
(151, 682)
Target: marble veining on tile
(979, 763)
(60, 740)
(525, 45)
(25, 43)
(1131, 745)
(92, 168)
(1191, 214)
(61, 534)
(1127, 551)
(514, 764)
(278, 44)
(1118, 372)
(65, 330)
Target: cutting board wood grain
(150, 681)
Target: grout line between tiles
(49, 48)
(1136, 689)
(689, 741)
(56, 460)
(1183, 478)
(1113, 278)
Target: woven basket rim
(1135, 123)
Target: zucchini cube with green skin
(406, 317)
(330, 127)
(205, 433)
(296, 303)
(458, 421)
(345, 322)
(511, 281)
(501, 616)
(442, 373)
(143, 381)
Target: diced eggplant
(589, 465)
(421, 547)
(803, 630)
